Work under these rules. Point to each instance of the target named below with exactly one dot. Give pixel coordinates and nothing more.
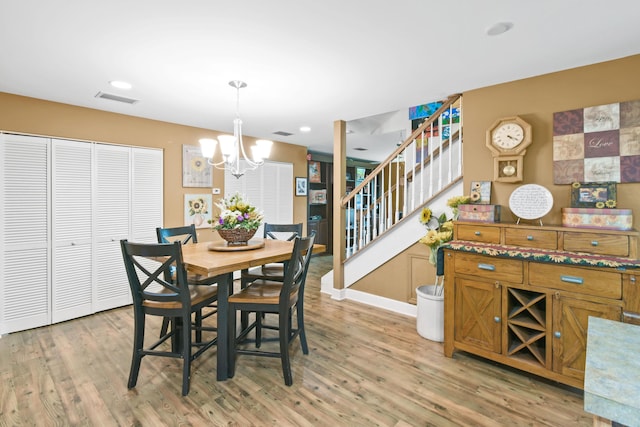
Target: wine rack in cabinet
(516, 295)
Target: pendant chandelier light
(234, 157)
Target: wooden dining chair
(185, 234)
(158, 282)
(281, 298)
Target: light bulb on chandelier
(234, 157)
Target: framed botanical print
(314, 172)
(197, 210)
(196, 171)
(301, 186)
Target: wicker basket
(237, 236)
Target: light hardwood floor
(366, 367)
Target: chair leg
(303, 335)
(186, 354)
(138, 343)
(199, 326)
(283, 324)
(259, 329)
(165, 326)
(231, 349)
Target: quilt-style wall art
(597, 144)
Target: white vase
(198, 220)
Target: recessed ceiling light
(120, 84)
(499, 28)
(305, 129)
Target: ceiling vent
(360, 149)
(118, 98)
(282, 133)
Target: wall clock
(508, 139)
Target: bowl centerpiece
(238, 220)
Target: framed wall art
(196, 171)
(480, 192)
(593, 195)
(197, 210)
(301, 186)
(314, 172)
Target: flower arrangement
(236, 213)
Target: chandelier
(234, 157)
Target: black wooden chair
(281, 298)
(159, 287)
(186, 234)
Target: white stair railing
(421, 167)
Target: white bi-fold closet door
(62, 257)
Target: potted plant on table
(238, 220)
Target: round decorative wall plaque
(530, 201)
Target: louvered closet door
(147, 190)
(72, 212)
(24, 275)
(112, 194)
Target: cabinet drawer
(603, 244)
(605, 284)
(540, 239)
(475, 233)
(501, 269)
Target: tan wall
(535, 100)
(34, 116)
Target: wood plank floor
(366, 367)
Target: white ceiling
(306, 62)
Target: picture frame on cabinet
(196, 170)
(593, 195)
(314, 172)
(480, 192)
(197, 210)
(301, 186)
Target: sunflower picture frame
(196, 170)
(593, 195)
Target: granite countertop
(612, 373)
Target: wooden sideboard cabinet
(522, 295)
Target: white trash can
(430, 319)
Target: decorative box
(479, 213)
(607, 219)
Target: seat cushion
(261, 292)
(198, 294)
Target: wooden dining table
(200, 259)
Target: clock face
(508, 136)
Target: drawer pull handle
(572, 279)
(487, 267)
(594, 243)
(529, 237)
(477, 233)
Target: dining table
(219, 259)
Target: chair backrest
(148, 266)
(296, 268)
(186, 233)
(290, 231)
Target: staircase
(381, 213)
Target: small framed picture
(314, 172)
(480, 192)
(593, 195)
(301, 186)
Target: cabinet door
(24, 233)
(112, 196)
(146, 194)
(477, 314)
(570, 320)
(71, 230)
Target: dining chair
(272, 271)
(281, 298)
(185, 234)
(158, 282)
